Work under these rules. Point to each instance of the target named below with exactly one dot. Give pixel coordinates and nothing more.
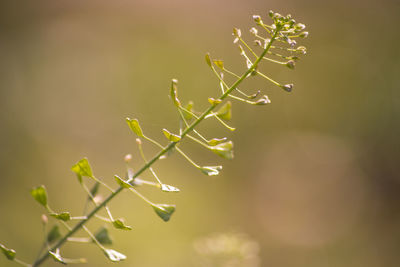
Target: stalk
(170, 146)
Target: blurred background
(315, 179)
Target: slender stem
(268, 78)
(188, 158)
(187, 125)
(153, 141)
(188, 111)
(248, 47)
(79, 239)
(103, 184)
(78, 218)
(145, 161)
(109, 213)
(22, 262)
(91, 197)
(141, 196)
(104, 219)
(265, 27)
(241, 99)
(212, 114)
(274, 61)
(231, 73)
(93, 238)
(140, 182)
(198, 141)
(170, 146)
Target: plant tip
(257, 18)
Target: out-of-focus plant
(274, 43)
(227, 250)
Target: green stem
(170, 146)
(22, 262)
(145, 161)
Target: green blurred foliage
(315, 174)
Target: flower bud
(302, 50)
(303, 34)
(277, 16)
(300, 26)
(287, 87)
(98, 199)
(258, 43)
(267, 41)
(263, 100)
(292, 43)
(290, 64)
(271, 14)
(257, 18)
(128, 157)
(237, 32)
(253, 31)
(44, 218)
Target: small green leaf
(103, 237)
(188, 107)
(135, 127)
(164, 211)
(211, 170)
(121, 182)
(225, 112)
(119, 224)
(216, 141)
(169, 188)
(170, 136)
(208, 60)
(82, 168)
(57, 257)
(113, 255)
(224, 150)
(63, 216)
(213, 101)
(40, 195)
(174, 93)
(219, 63)
(8, 252)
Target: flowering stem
(171, 145)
